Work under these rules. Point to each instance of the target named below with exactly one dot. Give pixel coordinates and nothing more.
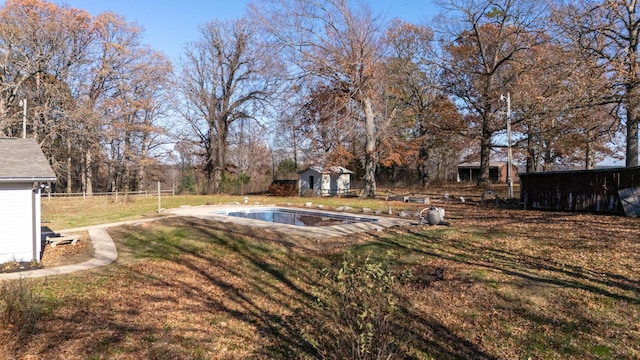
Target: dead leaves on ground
(495, 284)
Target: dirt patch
(67, 254)
(60, 255)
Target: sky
(169, 25)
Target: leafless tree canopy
(225, 79)
(322, 82)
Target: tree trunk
(294, 144)
(423, 159)
(69, 168)
(422, 173)
(370, 162)
(208, 167)
(142, 170)
(220, 159)
(632, 88)
(88, 178)
(485, 157)
(589, 153)
(632, 131)
(531, 149)
(126, 171)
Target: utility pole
(509, 157)
(23, 103)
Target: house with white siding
(329, 181)
(23, 169)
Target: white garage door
(16, 229)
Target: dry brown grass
(496, 284)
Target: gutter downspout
(35, 219)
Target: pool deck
(105, 250)
(208, 212)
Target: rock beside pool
(344, 208)
(320, 206)
(408, 213)
(308, 204)
(366, 210)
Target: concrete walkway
(105, 252)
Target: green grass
(66, 213)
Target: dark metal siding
(472, 174)
(585, 190)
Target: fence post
(159, 202)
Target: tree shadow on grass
(577, 301)
(285, 334)
(203, 292)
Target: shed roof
(333, 170)
(474, 165)
(22, 160)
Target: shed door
(16, 227)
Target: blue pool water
(298, 217)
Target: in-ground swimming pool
(295, 217)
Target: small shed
(327, 181)
(470, 172)
(23, 168)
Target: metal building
(470, 172)
(614, 190)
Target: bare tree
(423, 126)
(39, 46)
(223, 80)
(98, 86)
(610, 32)
(337, 47)
(479, 54)
(82, 77)
(130, 126)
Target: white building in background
(329, 181)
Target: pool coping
(207, 212)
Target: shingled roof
(22, 160)
(332, 170)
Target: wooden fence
(115, 194)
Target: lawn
(496, 284)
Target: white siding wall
(344, 184)
(325, 186)
(36, 223)
(16, 222)
(304, 184)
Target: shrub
(357, 313)
(20, 307)
(284, 188)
